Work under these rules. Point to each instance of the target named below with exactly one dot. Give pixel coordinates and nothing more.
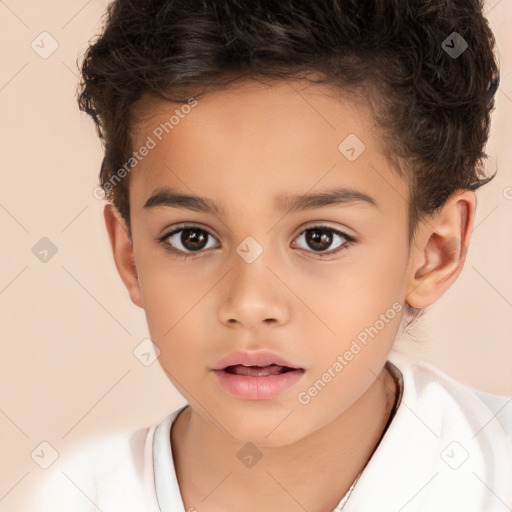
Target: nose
(253, 296)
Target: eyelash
(349, 241)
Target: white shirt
(448, 448)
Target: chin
(264, 431)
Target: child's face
(242, 149)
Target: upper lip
(262, 358)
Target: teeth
(256, 371)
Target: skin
(243, 146)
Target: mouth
(264, 359)
(257, 382)
(257, 371)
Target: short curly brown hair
(432, 104)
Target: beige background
(68, 330)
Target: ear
(122, 248)
(439, 249)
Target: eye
(186, 240)
(320, 238)
(189, 240)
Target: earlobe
(122, 250)
(439, 250)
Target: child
(289, 183)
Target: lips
(255, 359)
(257, 371)
(256, 375)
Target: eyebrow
(338, 196)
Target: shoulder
(111, 473)
(428, 382)
(429, 385)
(468, 429)
(447, 446)
(500, 407)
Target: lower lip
(257, 388)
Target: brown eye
(193, 239)
(320, 239)
(187, 240)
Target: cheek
(362, 305)
(164, 298)
(175, 328)
(161, 298)
(166, 293)
(174, 306)
(362, 287)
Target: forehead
(264, 139)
